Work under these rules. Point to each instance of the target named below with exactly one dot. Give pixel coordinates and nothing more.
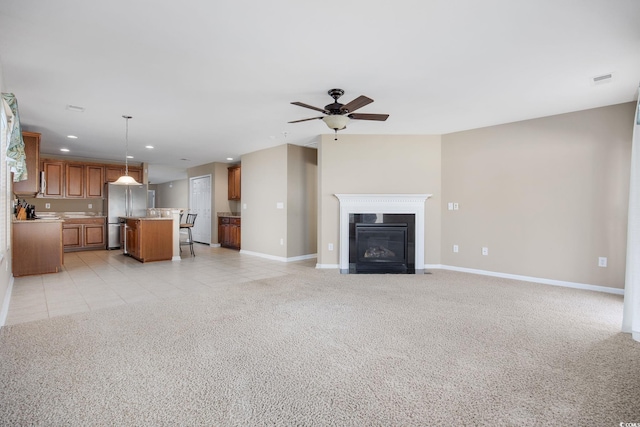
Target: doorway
(151, 199)
(200, 204)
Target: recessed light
(229, 158)
(64, 149)
(75, 108)
(129, 157)
(72, 137)
(149, 146)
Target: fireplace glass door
(381, 248)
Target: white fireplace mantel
(382, 203)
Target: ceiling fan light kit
(338, 115)
(336, 122)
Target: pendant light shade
(126, 179)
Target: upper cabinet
(53, 185)
(113, 172)
(30, 186)
(77, 180)
(74, 180)
(83, 181)
(94, 181)
(234, 182)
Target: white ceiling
(205, 79)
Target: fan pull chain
(336, 131)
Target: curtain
(16, 158)
(631, 314)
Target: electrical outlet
(485, 251)
(90, 206)
(281, 241)
(330, 246)
(244, 206)
(47, 205)
(455, 206)
(455, 248)
(280, 205)
(450, 206)
(602, 261)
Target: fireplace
(351, 205)
(381, 248)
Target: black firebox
(381, 248)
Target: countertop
(38, 220)
(68, 215)
(147, 218)
(228, 214)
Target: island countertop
(146, 218)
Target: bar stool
(188, 225)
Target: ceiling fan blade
(301, 104)
(304, 120)
(361, 116)
(359, 102)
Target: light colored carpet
(321, 348)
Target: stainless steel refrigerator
(123, 201)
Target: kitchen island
(147, 239)
(36, 247)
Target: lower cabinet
(229, 232)
(36, 247)
(83, 234)
(149, 239)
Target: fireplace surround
(382, 204)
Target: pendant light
(126, 179)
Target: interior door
(200, 204)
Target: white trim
(5, 303)
(382, 203)
(214, 245)
(176, 258)
(540, 280)
(543, 281)
(279, 258)
(336, 266)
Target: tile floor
(99, 279)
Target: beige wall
(264, 184)
(378, 164)
(173, 194)
(302, 200)
(285, 174)
(546, 196)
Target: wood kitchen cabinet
(94, 181)
(31, 185)
(77, 180)
(36, 247)
(229, 235)
(149, 239)
(83, 181)
(82, 234)
(54, 178)
(113, 172)
(74, 181)
(234, 182)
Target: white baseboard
(336, 266)
(279, 258)
(5, 302)
(214, 245)
(541, 280)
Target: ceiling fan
(337, 115)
